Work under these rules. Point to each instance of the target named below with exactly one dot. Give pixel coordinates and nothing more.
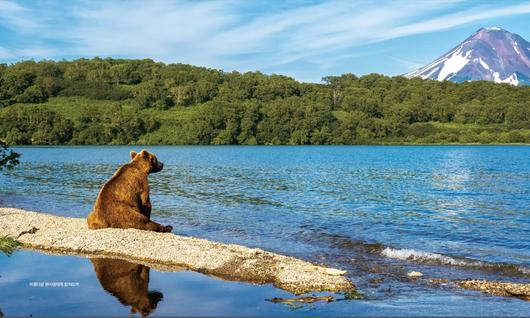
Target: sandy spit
(169, 252)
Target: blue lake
(450, 212)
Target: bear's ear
(133, 154)
(144, 153)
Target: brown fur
(128, 282)
(124, 202)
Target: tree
(182, 95)
(15, 82)
(124, 73)
(33, 125)
(32, 94)
(8, 158)
(249, 124)
(152, 94)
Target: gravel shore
(169, 252)
(505, 289)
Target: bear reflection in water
(128, 282)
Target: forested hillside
(111, 101)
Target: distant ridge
(490, 54)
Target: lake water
(379, 212)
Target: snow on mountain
(490, 54)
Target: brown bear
(123, 202)
(128, 282)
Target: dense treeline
(111, 101)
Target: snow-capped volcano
(491, 54)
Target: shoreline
(57, 235)
(270, 145)
(170, 252)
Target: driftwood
(305, 300)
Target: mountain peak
(493, 29)
(490, 54)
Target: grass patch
(70, 107)
(8, 245)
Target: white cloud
(456, 19)
(161, 30)
(17, 17)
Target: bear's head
(147, 161)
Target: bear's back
(124, 186)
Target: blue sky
(303, 39)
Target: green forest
(117, 101)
